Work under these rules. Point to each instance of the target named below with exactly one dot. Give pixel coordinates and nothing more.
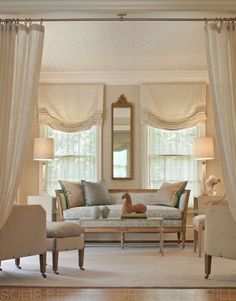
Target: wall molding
(123, 77)
(38, 6)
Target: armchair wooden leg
(17, 263)
(208, 259)
(55, 255)
(42, 259)
(200, 240)
(183, 239)
(178, 237)
(195, 238)
(81, 259)
(0, 266)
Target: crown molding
(39, 6)
(123, 77)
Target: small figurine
(128, 207)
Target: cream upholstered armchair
(24, 234)
(220, 234)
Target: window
(170, 158)
(76, 157)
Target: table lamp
(43, 151)
(203, 151)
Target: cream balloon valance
(173, 106)
(70, 108)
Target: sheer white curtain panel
(220, 42)
(21, 49)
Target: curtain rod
(121, 17)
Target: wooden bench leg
(42, 259)
(17, 263)
(178, 237)
(161, 238)
(195, 238)
(200, 241)
(81, 259)
(55, 255)
(122, 239)
(208, 259)
(183, 239)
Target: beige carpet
(135, 266)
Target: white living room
(117, 137)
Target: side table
(47, 202)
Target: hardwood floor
(62, 294)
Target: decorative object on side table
(210, 184)
(128, 207)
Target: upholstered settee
(174, 217)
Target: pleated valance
(173, 106)
(70, 108)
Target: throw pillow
(169, 193)
(180, 191)
(63, 201)
(96, 193)
(73, 192)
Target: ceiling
(131, 46)
(121, 46)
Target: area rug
(137, 266)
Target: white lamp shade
(204, 148)
(43, 149)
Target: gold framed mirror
(122, 139)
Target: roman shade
(173, 106)
(70, 108)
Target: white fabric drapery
(21, 49)
(60, 106)
(221, 58)
(173, 106)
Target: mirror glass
(121, 139)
